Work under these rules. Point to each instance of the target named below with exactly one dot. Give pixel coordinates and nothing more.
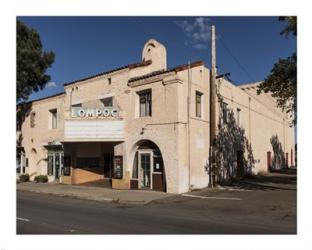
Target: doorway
(55, 164)
(148, 168)
(145, 170)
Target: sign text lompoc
(94, 112)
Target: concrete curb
(83, 197)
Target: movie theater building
(142, 126)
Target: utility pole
(213, 93)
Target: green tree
(282, 81)
(31, 62)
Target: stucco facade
(160, 130)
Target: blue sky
(89, 45)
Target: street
(268, 207)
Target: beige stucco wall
(261, 120)
(35, 138)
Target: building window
(26, 162)
(145, 102)
(53, 113)
(109, 81)
(238, 116)
(224, 112)
(32, 119)
(198, 103)
(107, 102)
(78, 105)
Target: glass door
(145, 170)
(57, 163)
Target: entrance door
(145, 169)
(57, 164)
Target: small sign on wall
(118, 168)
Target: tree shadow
(247, 184)
(278, 161)
(233, 152)
(22, 111)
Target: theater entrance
(148, 168)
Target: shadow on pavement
(290, 171)
(271, 182)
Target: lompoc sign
(94, 112)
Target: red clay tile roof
(130, 66)
(159, 72)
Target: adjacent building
(144, 126)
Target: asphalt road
(256, 210)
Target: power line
(246, 72)
(235, 59)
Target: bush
(262, 173)
(41, 178)
(24, 177)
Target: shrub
(262, 173)
(41, 178)
(24, 177)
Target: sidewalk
(93, 193)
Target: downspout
(188, 122)
(212, 132)
(249, 120)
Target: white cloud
(197, 31)
(200, 46)
(51, 84)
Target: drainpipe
(71, 101)
(249, 120)
(188, 122)
(212, 149)
(21, 163)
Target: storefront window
(158, 161)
